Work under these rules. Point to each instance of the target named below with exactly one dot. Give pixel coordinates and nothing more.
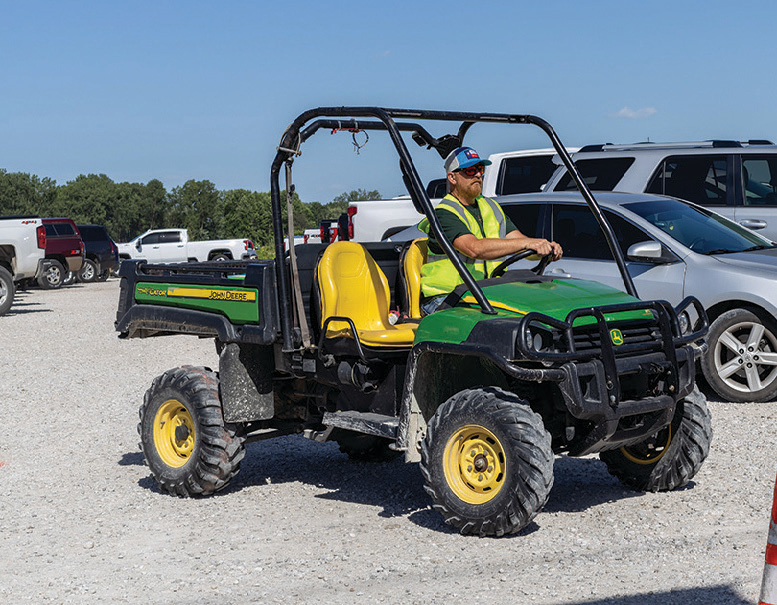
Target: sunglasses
(472, 170)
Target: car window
(697, 228)
(601, 174)
(524, 175)
(59, 229)
(579, 233)
(92, 233)
(169, 237)
(701, 179)
(759, 177)
(525, 217)
(151, 238)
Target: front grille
(643, 337)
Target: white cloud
(631, 114)
(383, 55)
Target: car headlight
(685, 323)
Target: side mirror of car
(137, 245)
(651, 252)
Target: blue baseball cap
(463, 157)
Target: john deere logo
(616, 336)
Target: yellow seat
(352, 285)
(412, 260)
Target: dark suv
(102, 255)
(64, 248)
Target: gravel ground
(82, 521)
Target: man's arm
(493, 248)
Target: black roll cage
(346, 118)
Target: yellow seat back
(414, 258)
(352, 285)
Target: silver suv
(735, 179)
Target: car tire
(487, 462)
(52, 278)
(88, 272)
(103, 276)
(741, 362)
(220, 257)
(7, 290)
(70, 278)
(670, 458)
(187, 445)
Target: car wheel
(7, 290)
(487, 462)
(670, 458)
(88, 271)
(741, 362)
(103, 276)
(52, 278)
(220, 257)
(186, 443)
(70, 278)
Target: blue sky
(204, 90)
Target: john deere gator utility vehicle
(512, 370)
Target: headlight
(685, 323)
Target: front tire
(52, 278)
(7, 290)
(487, 462)
(187, 445)
(741, 363)
(670, 458)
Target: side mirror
(652, 252)
(137, 245)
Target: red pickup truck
(64, 248)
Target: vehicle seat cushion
(352, 285)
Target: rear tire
(670, 458)
(487, 462)
(187, 445)
(52, 278)
(103, 276)
(88, 272)
(7, 290)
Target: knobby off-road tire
(52, 278)
(487, 462)
(741, 362)
(670, 458)
(365, 448)
(7, 290)
(187, 445)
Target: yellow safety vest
(438, 275)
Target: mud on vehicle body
(483, 393)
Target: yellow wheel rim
(474, 464)
(174, 433)
(641, 454)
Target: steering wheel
(539, 269)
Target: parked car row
(77, 253)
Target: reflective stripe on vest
(438, 275)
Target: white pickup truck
(22, 251)
(173, 246)
(524, 171)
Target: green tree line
(129, 209)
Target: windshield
(697, 228)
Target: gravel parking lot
(82, 521)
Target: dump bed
(234, 301)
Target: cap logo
(471, 154)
